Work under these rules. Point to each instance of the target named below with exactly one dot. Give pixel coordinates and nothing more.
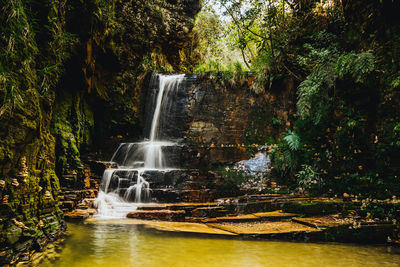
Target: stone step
(191, 206)
(277, 215)
(161, 215)
(265, 229)
(88, 202)
(234, 219)
(177, 206)
(322, 222)
(185, 227)
(153, 207)
(79, 214)
(209, 212)
(69, 205)
(69, 176)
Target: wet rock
(13, 234)
(277, 215)
(68, 205)
(166, 195)
(177, 178)
(184, 227)
(161, 215)
(25, 257)
(78, 215)
(88, 202)
(209, 212)
(260, 163)
(19, 224)
(154, 177)
(321, 222)
(15, 182)
(266, 229)
(236, 219)
(97, 168)
(22, 169)
(5, 199)
(346, 197)
(40, 223)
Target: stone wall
(227, 122)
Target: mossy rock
(373, 234)
(13, 234)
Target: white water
(134, 159)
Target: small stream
(132, 245)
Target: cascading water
(124, 186)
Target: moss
(70, 130)
(25, 122)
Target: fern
(293, 140)
(285, 156)
(357, 66)
(314, 93)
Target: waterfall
(123, 186)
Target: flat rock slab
(235, 219)
(177, 206)
(163, 215)
(209, 212)
(79, 214)
(274, 215)
(322, 221)
(190, 206)
(263, 228)
(185, 227)
(153, 207)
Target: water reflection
(131, 245)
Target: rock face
(219, 123)
(29, 211)
(103, 104)
(71, 71)
(222, 114)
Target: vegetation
(345, 133)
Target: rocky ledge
(272, 216)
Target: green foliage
(209, 66)
(286, 155)
(395, 83)
(228, 76)
(316, 93)
(356, 66)
(293, 140)
(307, 178)
(236, 176)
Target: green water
(132, 245)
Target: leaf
(293, 140)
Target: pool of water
(133, 245)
